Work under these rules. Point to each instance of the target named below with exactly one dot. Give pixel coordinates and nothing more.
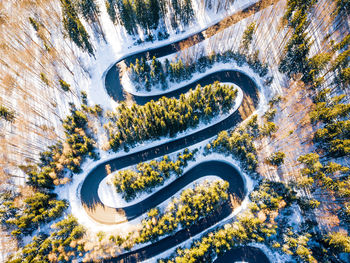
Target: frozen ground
(114, 50)
(72, 191)
(217, 67)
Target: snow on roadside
(217, 67)
(107, 54)
(106, 191)
(249, 186)
(273, 256)
(72, 191)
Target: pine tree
(89, 9)
(297, 49)
(177, 9)
(339, 241)
(154, 8)
(74, 27)
(7, 114)
(248, 36)
(110, 6)
(142, 14)
(186, 12)
(127, 17)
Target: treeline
(335, 134)
(64, 157)
(148, 14)
(147, 74)
(168, 116)
(24, 214)
(150, 175)
(192, 205)
(62, 245)
(268, 199)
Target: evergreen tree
(177, 9)
(110, 6)
(142, 14)
(74, 27)
(343, 6)
(88, 9)
(127, 16)
(154, 9)
(7, 114)
(248, 36)
(339, 241)
(186, 12)
(34, 23)
(297, 49)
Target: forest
(300, 205)
(56, 166)
(150, 175)
(146, 75)
(187, 209)
(335, 134)
(269, 198)
(62, 245)
(168, 116)
(149, 15)
(248, 228)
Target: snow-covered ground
(114, 50)
(106, 56)
(72, 191)
(156, 90)
(111, 198)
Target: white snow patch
(156, 90)
(72, 191)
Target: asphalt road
(108, 215)
(89, 190)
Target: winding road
(108, 215)
(89, 189)
(112, 78)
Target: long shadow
(158, 247)
(234, 76)
(217, 168)
(103, 214)
(89, 189)
(112, 80)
